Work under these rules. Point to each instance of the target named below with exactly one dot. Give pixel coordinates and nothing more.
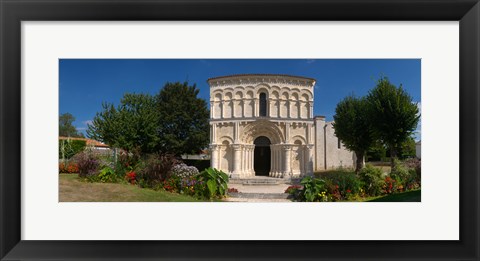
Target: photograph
(239, 130)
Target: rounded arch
(262, 86)
(227, 96)
(276, 88)
(226, 140)
(262, 128)
(239, 95)
(305, 97)
(295, 90)
(285, 95)
(295, 96)
(299, 140)
(217, 96)
(309, 94)
(274, 95)
(249, 94)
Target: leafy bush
(88, 163)
(156, 169)
(68, 167)
(313, 190)
(131, 177)
(127, 161)
(342, 184)
(390, 186)
(172, 184)
(372, 179)
(107, 175)
(416, 165)
(403, 177)
(182, 170)
(192, 186)
(215, 183)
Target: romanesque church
(263, 125)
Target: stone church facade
(263, 125)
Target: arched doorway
(261, 156)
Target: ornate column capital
(214, 146)
(237, 146)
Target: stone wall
(329, 152)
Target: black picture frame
(13, 12)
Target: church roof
(259, 75)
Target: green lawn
(72, 189)
(409, 196)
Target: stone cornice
(255, 79)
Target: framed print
(43, 41)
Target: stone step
(263, 181)
(257, 181)
(259, 195)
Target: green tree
(183, 119)
(132, 125)
(376, 152)
(65, 126)
(407, 149)
(352, 127)
(393, 115)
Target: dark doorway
(261, 156)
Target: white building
(263, 125)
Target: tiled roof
(89, 142)
(257, 75)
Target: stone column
(214, 155)
(287, 169)
(222, 109)
(237, 157)
(212, 105)
(255, 107)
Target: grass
(409, 196)
(72, 189)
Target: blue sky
(86, 83)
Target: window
(339, 143)
(263, 104)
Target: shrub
(390, 186)
(127, 161)
(404, 178)
(215, 183)
(156, 169)
(372, 179)
(192, 186)
(69, 167)
(131, 177)
(182, 170)
(342, 184)
(107, 175)
(416, 165)
(172, 184)
(88, 163)
(313, 190)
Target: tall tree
(183, 119)
(352, 127)
(65, 126)
(132, 125)
(393, 115)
